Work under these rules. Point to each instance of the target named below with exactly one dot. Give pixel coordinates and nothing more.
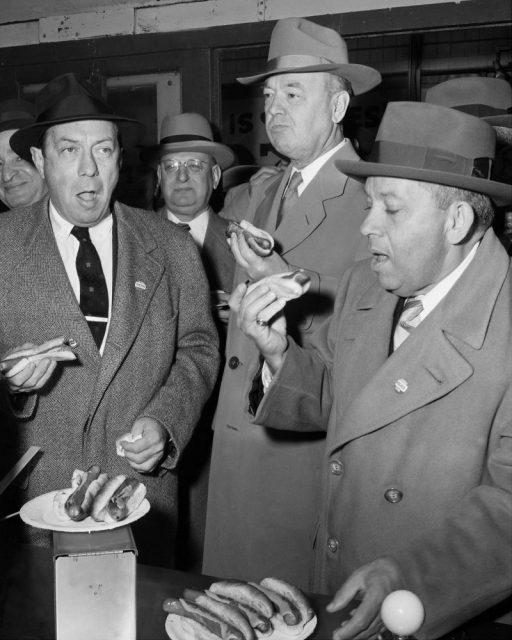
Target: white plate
(176, 633)
(39, 513)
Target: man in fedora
(411, 379)
(189, 165)
(263, 487)
(20, 182)
(128, 292)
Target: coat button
(393, 495)
(336, 467)
(332, 545)
(233, 362)
(72, 343)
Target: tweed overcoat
(160, 358)
(418, 461)
(263, 483)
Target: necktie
(408, 321)
(290, 197)
(93, 288)
(183, 225)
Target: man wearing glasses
(189, 165)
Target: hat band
(429, 159)
(295, 61)
(183, 138)
(77, 106)
(482, 110)
(15, 115)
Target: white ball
(402, 612)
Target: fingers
(259, 304)
(364, 621)
(32, 377)
(145, 453)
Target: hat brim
(499, 192)
(504, 120)
(362, 78)
(15, 124)
(30, 136)
(223, 155)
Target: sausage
(291, 593)
(126, 498)
(258, 240)
(205, 624)
(256, 619)
(228, 632)
(289, 613)
(99, 508)
(245, 594)
(79, 504)
(225, 612)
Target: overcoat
(160, 358)
(263, 486)
(418, 462)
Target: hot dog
(258, 240)
(99, 508)
(291, 593)
(204, 623)
(226, 612)
(119, 497)
(288, 612)
(245, 594)
(257, 621)
(79, 504)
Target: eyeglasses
(193, 166)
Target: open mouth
(87, 196)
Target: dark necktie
(290, 197)
(183, 225)
(93, 288)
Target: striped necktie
(408, 321)
(93, 288)
(290, 197)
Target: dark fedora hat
(430, 143)
(188, 132)
(64, 99)
(15, 114)
(487, 98)
(301, 46)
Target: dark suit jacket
(431, 422)
(160, 351)
(264, 486)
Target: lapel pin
(401, 386)
(140, 285)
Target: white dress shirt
(198, 225)
(310, 170)
(101, 237)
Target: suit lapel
(138, 274)
(265, 216)
(216, 254)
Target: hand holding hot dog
(144, 453)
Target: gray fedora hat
(430, 143)
(15, 114)
(188, 132)
(487, 98)
(298, 45)
(64, 99)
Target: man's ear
(216, 174)
(340, 102)
(38, 160)
(460, 219)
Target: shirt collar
(62, 227)
(310, 170)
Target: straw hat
(64, 99)
(188, 132)
(301, 46)
(426, 142)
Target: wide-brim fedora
(486, 98)
(65, 99)
(15, 114)
(430, 143)
(298, 45)
(188, 132)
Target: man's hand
(256, 266)
(24, 375)
(145, 453)
(370, 584)
(269, 338)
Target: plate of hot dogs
(228, 610)
(94, 502)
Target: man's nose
(182, 173)
(88, 166)
(369, 225)
(273, 105)
(8, 171)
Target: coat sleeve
(464, 566)
(177, 404)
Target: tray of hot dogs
(94, 502)
(228, 610)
